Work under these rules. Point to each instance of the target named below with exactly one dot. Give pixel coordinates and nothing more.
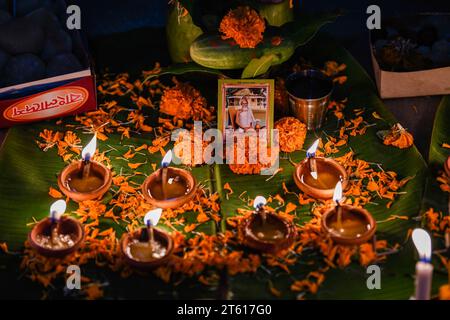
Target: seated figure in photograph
(245, 118)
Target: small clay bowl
(160, 236)
(99, 168)
(447, 167)
(174, 202)
(324, 194)
(366, 236)
(250, 239)
(66, 225)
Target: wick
(164, 179)
(263, 214)
(151, 236)
(86, 167)
(339, 215)
(54, 226)
(312, 165)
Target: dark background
(129, 36)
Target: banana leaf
(27, 174)
(350, 283)
(183, 68)
(434, 197)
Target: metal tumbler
(309, 93)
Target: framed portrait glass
(245, 105)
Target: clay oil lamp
(148, 247)
(348, 225)
(266, 231)
(317, 176)
(56, 236)
(169, 187)
(86, 179)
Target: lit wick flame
(259, 202)
(152, 217)
(57, 209)
(311, 152)
(337, 195)
(422, 241)
(90, 149)
(167, 159)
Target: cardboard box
(432, 81)
(411, 84)
(54, 97)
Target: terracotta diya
(266, 231)
(348, 225)
(148, 247)
(56, 236)
(169, 187)
(86, 179)
(317, 176)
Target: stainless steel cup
(311, 104)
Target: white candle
(424, 268)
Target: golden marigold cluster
(292, 134)
(185, 102)
(244, 25)
(399, 137)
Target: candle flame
(311, 152)
(259, 202)
(337, 195)
(422, 241)
(90, 148)
(167, 159)
(152, 217)
(57, 209)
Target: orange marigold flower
(185, 102)
(244, 25)
(292, 134)
(399, 137)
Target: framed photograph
(245, 105)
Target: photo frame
(245, 104)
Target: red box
(48, 98)
(54, 97)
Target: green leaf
(27, 173)
(181, 32)
(214, 52)
(434, 197)
(441, 134)
(305, 28)
(258, 66)
(349, 283)
(184, 68)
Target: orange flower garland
(244, 25)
